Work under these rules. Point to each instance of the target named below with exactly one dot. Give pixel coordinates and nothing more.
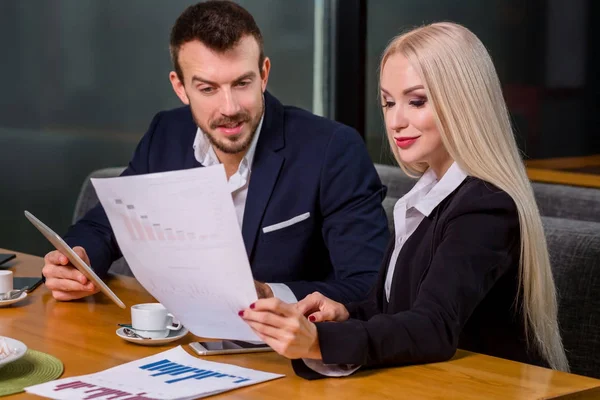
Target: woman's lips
(405, 142)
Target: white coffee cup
(153, 320)
(6, 281)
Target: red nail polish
(241, 313)
(252, 306)
(312, 318)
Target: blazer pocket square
(287, 223)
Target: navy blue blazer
(303, 163)
(455, 285)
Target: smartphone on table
(5, 257)
(228, 347)
(19, 282)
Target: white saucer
(173, 336)
(13, 344)
(12, 301)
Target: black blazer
(455, 286)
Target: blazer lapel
(381, 299)
(265, 171)
(419, 244)
(189, 160)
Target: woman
(469, 265)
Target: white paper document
(180, 235)
(173, 374)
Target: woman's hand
(319, 308)
(284, 328)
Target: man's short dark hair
(218, 24)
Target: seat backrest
(572, 202)
(574, 248)
(87, 200)
(398, 184)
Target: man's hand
(319, 308)
(263, 290)
(63, 279)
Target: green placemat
(33, 368)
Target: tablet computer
(77, 262)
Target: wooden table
(82, 335)
(575, 171)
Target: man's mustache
(230, 122)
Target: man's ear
(178, 88)
(264, 73)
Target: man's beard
(234, 144)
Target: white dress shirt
(409, 212)
(238, 184)
(415, 206)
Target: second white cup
(6, 281)
(153, 320)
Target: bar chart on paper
(169, 208)
(172, 374)
(142, 227)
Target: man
(307, 197)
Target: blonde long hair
(462, 86)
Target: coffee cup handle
(175, 325)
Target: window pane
(82, 81)
(542, 51)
